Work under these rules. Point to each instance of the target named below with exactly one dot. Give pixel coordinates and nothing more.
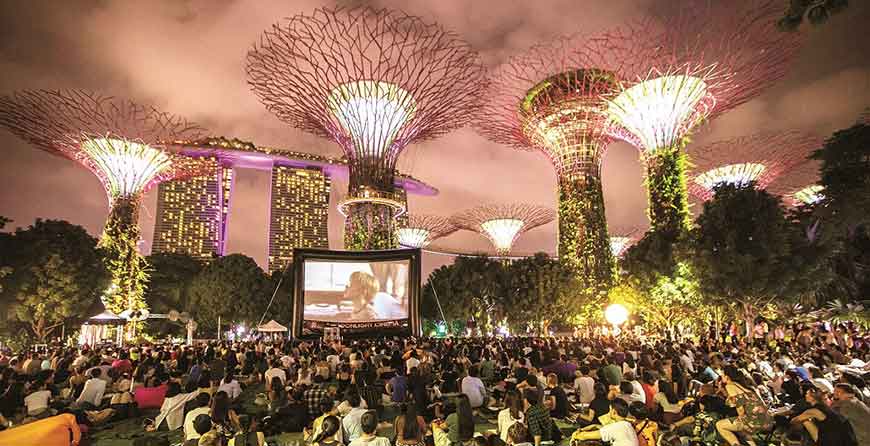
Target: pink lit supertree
(691, 66)
(552, 100)
(373, 81)
(757, 159)
(420, 230)
(502, 224)
(124, 145)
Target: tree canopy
(58, 276)
(233, 288)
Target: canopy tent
(272, 327)
(96, 328)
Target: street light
(616, 315)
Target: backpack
(642, 438)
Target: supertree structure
(373, 81)
(621, 239)
(801, 185)
(422, 229)
(756, 159)
(705, 59)
(552, 100)
(120, 142)
(502, 224)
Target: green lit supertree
(123, 144)
(373, 81)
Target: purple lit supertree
(421, 229)
(373, 81)
(502, 224)
(757, 159)
(801, 185)
(550, 99)
(705, 59)
(123, 144)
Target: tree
(743, 251)
(845, 176)
(232, 288)
(58, 276)
(816, 11)
(540, 291)
(169, 287)
(470, 288)
(670, 303)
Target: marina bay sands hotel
(192, 215)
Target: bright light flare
(372, 113)
(127, 168)
(656, 113)
(616, 314)
(739, 175)
(811, 194)
(502, 232)
(413, 237)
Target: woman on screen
(363, 289)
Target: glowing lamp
(372, 113)
(616, 314)
(657, 112)
(502, 232)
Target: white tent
(272, 327)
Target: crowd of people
(801, 385)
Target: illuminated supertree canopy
(757, 159)
(621, 239)
(801, 185)
(120, 142)
(421, 229)
(373, 81)
(552, 100)
(502, 224)
(691, 66)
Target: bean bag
(60, 430)
(150, 397)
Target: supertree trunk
(584, 245)
(666, 190)
(124, 261)
(370, 226)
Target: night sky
(188, 58)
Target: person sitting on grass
(230, 386)
(330, 428)
(202, 402)
(518, 435)
(327, 410)
(369, 437)
(249, 435)
(619, 433)
(37, 402)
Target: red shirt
(650, 392)
(122, 365)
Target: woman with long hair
(598, 407)
(460, 424)
(410, 428)
(669, 402)
(328, 428)
(512, 413)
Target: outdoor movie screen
(357, 293)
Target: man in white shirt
(37, 402)
(202, 402)
(351, 423)
(230, 386)
(93, 391)
(275, 371)
(412, 361)
(585, 385)
(473, 388)
(618, 433)
(637, 388)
